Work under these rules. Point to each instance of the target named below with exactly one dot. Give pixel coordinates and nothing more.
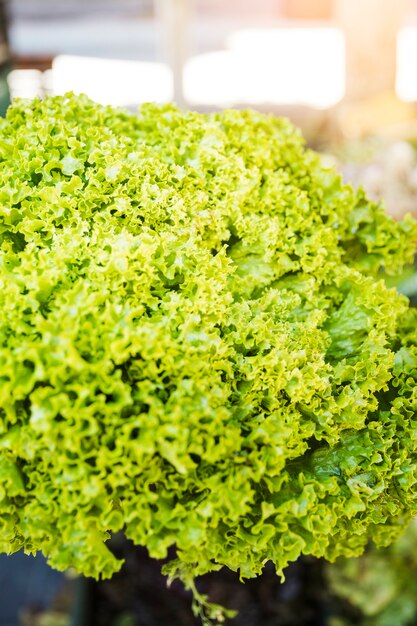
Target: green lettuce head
(196, 345)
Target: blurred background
(337, 67)
(345, 71)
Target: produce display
(197, 344)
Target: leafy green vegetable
(381, 584)
(195, 344)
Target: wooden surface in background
(370, 28)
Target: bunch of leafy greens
(195, 345)
(380, 586)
